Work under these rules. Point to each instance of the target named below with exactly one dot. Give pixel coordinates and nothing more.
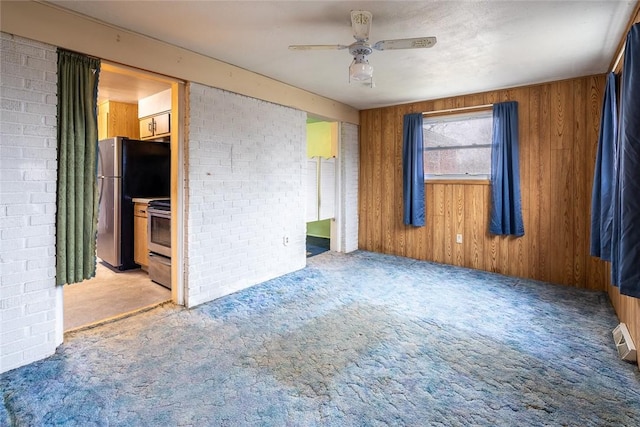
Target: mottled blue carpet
(352, 340)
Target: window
(458, 146)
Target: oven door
(159, 223)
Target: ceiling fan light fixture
(360, 70)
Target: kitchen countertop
(146, 200)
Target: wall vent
(624, 343)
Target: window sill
(458, 181)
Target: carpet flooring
(352, 340)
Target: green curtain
(77, 197)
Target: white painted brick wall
(28, 295)
(349, 154)
(246, 190)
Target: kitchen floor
(110, 295)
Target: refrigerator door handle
(101, 179)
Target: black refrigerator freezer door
(146, 172)
(146, 168)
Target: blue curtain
(601, 197)
(413, 170)
(506, 205)
(625, 241)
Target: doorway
(322, 149)
(115, 293)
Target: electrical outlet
(458, 238)
(285, 240)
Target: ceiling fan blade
(317, 47)
(361, 24)
(414, 43)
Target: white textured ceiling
(481, 45)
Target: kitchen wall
(30, 303)
(246, 192)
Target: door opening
(122, 285)
(322, 142)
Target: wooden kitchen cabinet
(140, 235)
(155, 126)
(118, 119)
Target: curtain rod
(453, 110)
(617, 61)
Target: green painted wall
(319, 228)
(320, 139)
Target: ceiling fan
(360, 69)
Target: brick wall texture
(27, 201)
(349, 154)
(246, 192)
(245, 186)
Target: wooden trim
(457, 110)
(51, 24)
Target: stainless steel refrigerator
(127, 169)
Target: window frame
(457, 115)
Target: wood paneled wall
(559, 124)
(558, 128)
